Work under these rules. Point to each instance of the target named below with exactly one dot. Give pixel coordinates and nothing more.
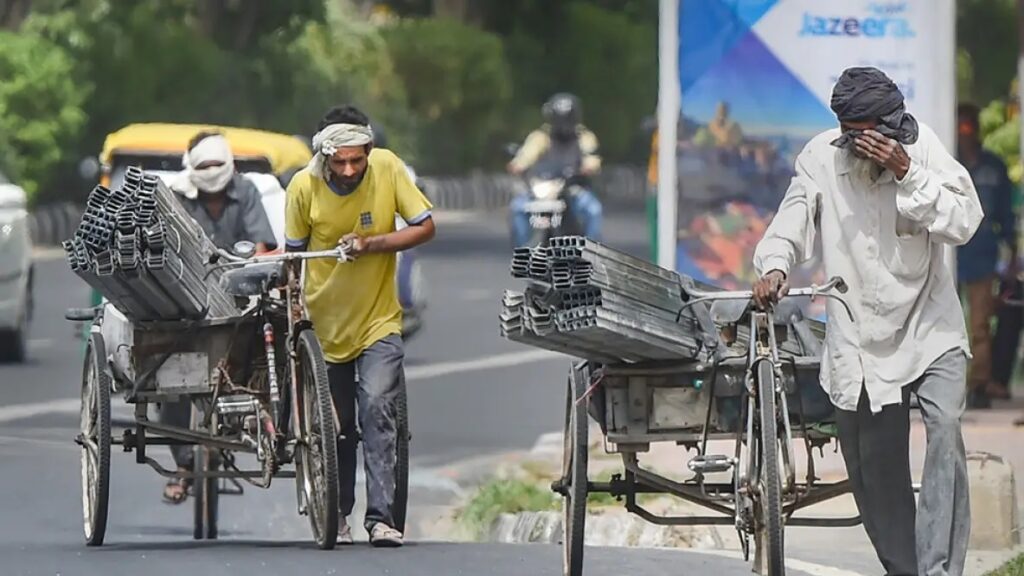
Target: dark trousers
(928, 538)
(365, 390)
(1009, 323)
(179, 414)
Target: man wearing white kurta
(888, 202)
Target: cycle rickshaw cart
(257, 384)
(757, 386)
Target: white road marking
(23, 411)
(438, 369)
(809, 567)
(40, 343)
(476, 295)
(45, 254)
(425, 372)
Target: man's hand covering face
(867, 94)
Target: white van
(15, 272)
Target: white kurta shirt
(888, 239)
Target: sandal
(176, 490)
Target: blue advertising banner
(755, 79)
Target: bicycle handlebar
(835, 283)
(341, 253)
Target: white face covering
(214, 178)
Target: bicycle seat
(254, 279)
(725, 312)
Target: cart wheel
(398, 510)
(317, 450)
(769, 524)
(95, 441)
(574, 460)
(206, 495)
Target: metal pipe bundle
(138, 247)
(590, 301)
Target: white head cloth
(212, 179)
(327, 141)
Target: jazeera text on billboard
(884, 21)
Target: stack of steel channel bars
(141, 250)
(590, 301)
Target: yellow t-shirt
(353, 304)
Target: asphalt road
(471, 393)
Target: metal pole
(668, 117)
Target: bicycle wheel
(94, 438)
(401, 502)
(769, 525)
(317, 449)
(575, 456)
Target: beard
(865, 170)
(348, 185)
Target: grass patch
(1014, 567)
(506, 496)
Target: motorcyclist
(565, 143)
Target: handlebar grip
(80, 314)
(841, 285)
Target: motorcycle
(548, 190)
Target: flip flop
(176, 497)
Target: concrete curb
(614, 527)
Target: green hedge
(458, 87)
(40, 108)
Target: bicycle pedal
(711, 464)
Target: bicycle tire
(319, 462)
(574, 505)
(401, 502)
(770, 532)
(94, 426)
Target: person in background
(227, 206)
(1009, 323)
(563, 142)
(977, 261)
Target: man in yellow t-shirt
(350, 193)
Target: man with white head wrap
(349, 194)
(228, 207)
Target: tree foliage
(458, 85)
(450, 80)
(41, 107)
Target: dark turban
(864, 94)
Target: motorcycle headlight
(546, 189)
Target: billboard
(754, 80)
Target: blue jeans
(584, 207)
(369, 399)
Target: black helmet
(563, 113)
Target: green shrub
(40, 108)
(1014, 567)
(507, 496)
(611, 62)
(458, 86)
